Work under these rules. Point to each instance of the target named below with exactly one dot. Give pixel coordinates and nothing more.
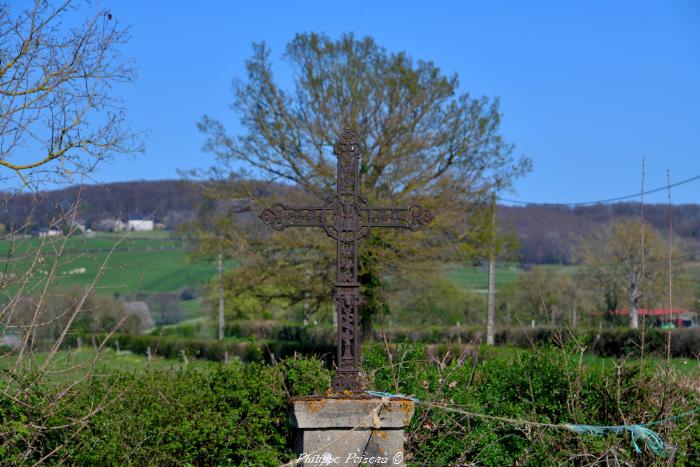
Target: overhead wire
(603, 201)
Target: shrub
(234, 414)
(165, 307)
(237, 413)
(187, 293)
(541, 386)
(307, 335)
(616, 342)
(98, 313)
(182, 329)
(216, 350)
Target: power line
(602, 201)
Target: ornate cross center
(347, 218)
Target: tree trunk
(574, 315)
(634, 296)
(222, 322)
(634, 317)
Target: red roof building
(654, 312)
(680, 317)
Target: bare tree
(612, 257)
(58, 114)
(59, 117)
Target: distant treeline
(167, 201)
(546, 233)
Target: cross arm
(412, 218)
(279, 216)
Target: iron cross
(347, 218)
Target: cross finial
(348, 144)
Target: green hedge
(609, 342)
(615, 342)
(540, 385)
(216, 350)
(237, 413)
(233, 414)
(181, 329)
(321, 335)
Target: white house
(140, 225)
(44, 233)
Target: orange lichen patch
(406, 405)
(407, 409)
(344, 395)
(382, 434)
(316, 405)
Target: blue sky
(587, 88)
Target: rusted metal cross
(347, 218)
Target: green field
(155, 262)
(71, 365)
(475, 278)
(140, 262)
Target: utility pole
(221, 296)
(491, 305)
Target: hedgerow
(611, 342)
(237, 413)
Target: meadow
(74, 363)
(139, 261)
(157, 262)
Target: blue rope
(389, 395)
(638, 432)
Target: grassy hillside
(154, 262)
(143, 261)
(475, 278)
(72, 365)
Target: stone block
(350, 429)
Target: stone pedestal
(350, 430)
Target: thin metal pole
(222, 322)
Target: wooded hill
(167, 201)
(546, 232)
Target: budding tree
(59, 117)
(425, 141)
(620, 269)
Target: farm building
(44, 233)
(680, 317)
(141, 225)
